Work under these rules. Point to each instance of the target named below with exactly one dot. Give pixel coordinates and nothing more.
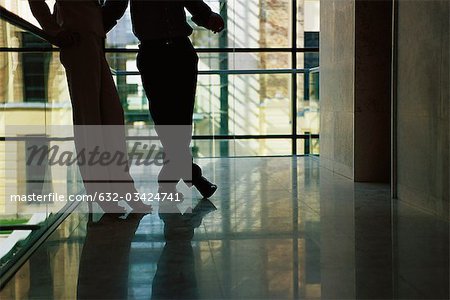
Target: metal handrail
(194, 137)
(229, 72)
(227, 50)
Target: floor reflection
(175, 276)
(284, 228)
(104, 261)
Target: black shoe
(206, 188)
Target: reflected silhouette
(104, 262)
(175, 276)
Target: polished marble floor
(277, 228)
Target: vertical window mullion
(294, 77)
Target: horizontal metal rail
(195, 137)
(228, 72)
(199, 50)
(29, 49)
(227, 50)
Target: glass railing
(33, 93)
(252, 100)
(255, 128)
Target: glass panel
(34, 93)
(259, 104)
(214, 61)
(122, 61)
(121, 36)
(308, 146)
(31, 187)
(269, 115)
(308, 60)
(263, 147)
(308, 112)
(250, 24)
(244, 61)
(308, 22)
(34, 89)
(241, 147)
(14, 37)
(133, 98)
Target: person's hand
(215, 23)
(66, 38)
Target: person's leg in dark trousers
(169, 75)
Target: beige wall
(423, 104)
(337, 61)
(354, 110)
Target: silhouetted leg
(113, 120)
(83, 68)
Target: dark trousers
(169, 75)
